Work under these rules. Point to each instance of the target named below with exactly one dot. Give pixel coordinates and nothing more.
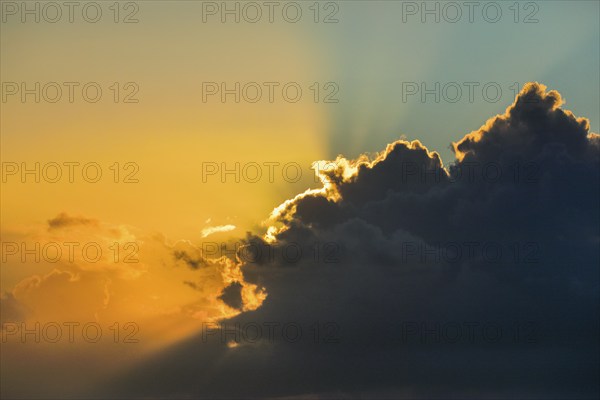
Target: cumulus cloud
(395, 247)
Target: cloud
(215, 229)
(192, 262)
(86, 271)
(11, 310)
(63, 220)
(232, 296)
(399, 253)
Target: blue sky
(372, 52)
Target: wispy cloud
(215, 229)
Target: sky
(369, 176)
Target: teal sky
(373, 52)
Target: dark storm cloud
(232, 296)
(507, 236)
